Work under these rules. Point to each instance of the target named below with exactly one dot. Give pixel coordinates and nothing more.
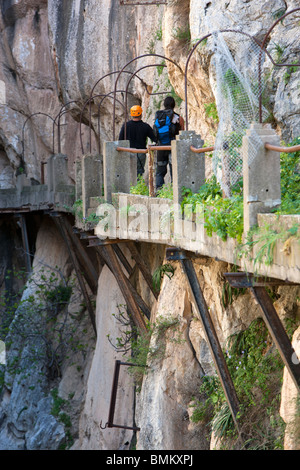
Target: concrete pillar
(188, 167)
(261, 173)
(57, 172)
(119, 169)
(92, 179)
(22, 181)
(78, 180)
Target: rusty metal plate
(241, 280)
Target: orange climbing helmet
(136, 111)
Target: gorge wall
(53, 53)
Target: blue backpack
(164, 129)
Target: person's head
(169, 102)
(136, 112)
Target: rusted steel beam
(111, 260)
(122, 258)
(89, 270)
(270, 316)
(96, 241)
(212, 339)
(241, 280)
(177, 254)
(142, 267)
(278, 333)
(25, 242)
(138, 299)
(59, 221)
(113, 398)
(113, 394)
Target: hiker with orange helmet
(137, 132)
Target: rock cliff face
(53, 54)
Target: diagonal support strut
(210, 332)
(270, 317)
(65, 235)
(278, 334)
(111, 260)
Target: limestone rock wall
(54, 53)
(33, 389)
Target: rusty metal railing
(277, 148)
(201, 150)
(150, 151)
(88, 102)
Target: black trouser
(163, 159)
(141, 160)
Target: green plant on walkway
(223, 216)
(140, 188)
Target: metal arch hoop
(92, 90)
(151, 94)
(124, 71)
(107, 95)
(58, 123)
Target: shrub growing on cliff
(256, 370)
(40, 325)
(136, 344)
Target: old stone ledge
(133, 210)
(37, 197)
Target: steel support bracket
(176, 254)
(113, 398)
(210, 332)
(257, 286)
(241, 280)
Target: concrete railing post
(188, 167)
(78, 179)
(92, 179)
(261, 173)
(119, 169)
(57, 174)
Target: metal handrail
(277, 148)
(150, 147)
(131, 150)
(202, 150)
(165, 147)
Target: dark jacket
(137, 133)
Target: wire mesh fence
(238, 85)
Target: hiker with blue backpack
(167, 125)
